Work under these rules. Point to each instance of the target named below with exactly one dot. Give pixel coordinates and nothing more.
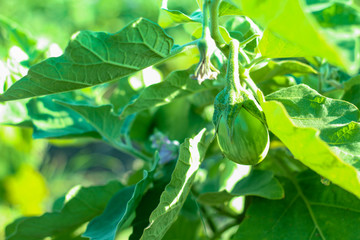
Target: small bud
(205, 69)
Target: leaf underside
(93, 58)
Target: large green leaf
(93, 58)
(310, 210)
(258, 183)
(192, 152)
(178, 84)
(119, 209)
(323, 133)
(291, 32)
(81, 205)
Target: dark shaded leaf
(81, 205)
(310, 210)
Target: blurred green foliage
(52, 166)
(57, 20)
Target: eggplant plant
(263, 97)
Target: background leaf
(277, 75)
(257, 183)
(19, 36)
(82, 204)
(322, 133)
(352, 91)
(119, 209)
(93, 58)
(170, 18)
(227, 8)
(178, 84)
(336, 15)
(15, 114)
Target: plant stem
(209, 220)
(237, 221)
(255, 61)
(246, 41)
(214, 22)
(244, 55)
(245, 77)
(214, 27)
(232, 75)
(206, 29)
(132, 151)
(203, 211)
(226, 213)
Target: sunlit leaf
(27, 190)
(291, 32)
(323, 133)
(169, 18)
(188, 218)
(227, 8)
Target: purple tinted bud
(168, 150)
